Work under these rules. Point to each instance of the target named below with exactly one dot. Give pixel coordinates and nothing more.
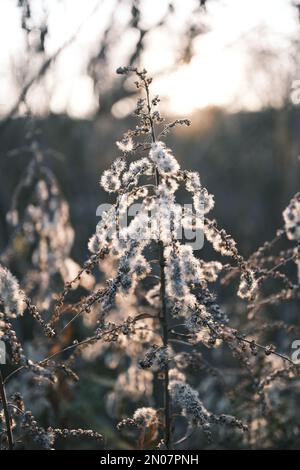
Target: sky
(219, 74)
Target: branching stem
(6, 414)
(164, 311)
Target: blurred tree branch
(43, 69)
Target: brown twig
(6, 414)
(164, 313)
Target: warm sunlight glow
(217, 75)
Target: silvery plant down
(153, 309)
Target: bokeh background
(228, 65)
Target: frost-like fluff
(184, 270)
(10, 294)
(139, 266)
(165, 162)
(139, 229)
(176, 283)
(111, 179)
(186, 398)
(209, 270)
(203, 201)
(193, 183)
(126, 144)
(248, 285)
(291, 216)
(167, 215)
(136, 169)
(127, 199)
(220, 240)
(104, 231)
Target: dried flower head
(11, 296)
(291, 216)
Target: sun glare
(215, 76)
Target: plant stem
(6, 414)
(165, 329)
(164, 311)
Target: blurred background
(226, 64)
(231, 66)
